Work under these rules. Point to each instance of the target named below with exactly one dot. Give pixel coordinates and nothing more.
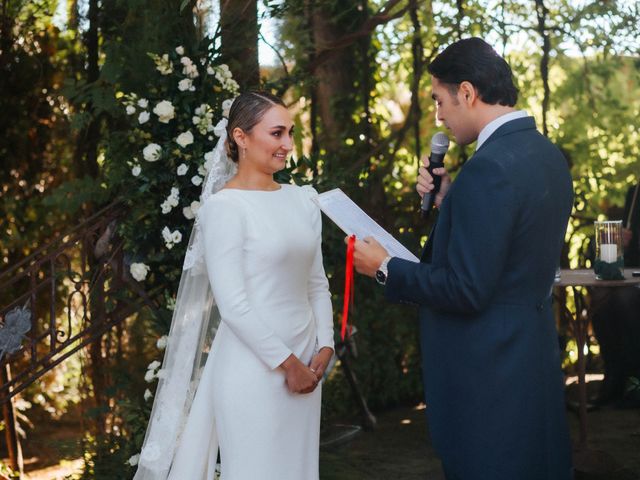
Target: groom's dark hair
(473, 60)
(246, 112)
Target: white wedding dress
(263, 258)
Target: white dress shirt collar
(493, 125)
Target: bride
(253, 392)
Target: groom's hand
(368, 255)
(425, 181)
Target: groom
(491, 364)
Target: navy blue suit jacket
(491, 364)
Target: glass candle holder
(609, 261)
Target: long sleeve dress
(263, 257)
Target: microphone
(439, 146)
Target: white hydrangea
(224, 76)
(208, 160)
(149, 376)
(165, 111)
(196, 180)
(171, 201)
(152, 152)
(185, 139)
(186, 84)
(189, 69)
(135, 171)
(182, 169)
(188, 213)
(130, 109)
(203, 119)
(154, 365)
(171, 238)
(143, 103)
(195, 205)
(143, 117)
(139, 271)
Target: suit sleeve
(318, 286)
(223, 230)
(483, 209)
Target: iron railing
(73, 292)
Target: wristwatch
(382, 273)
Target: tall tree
(239, 32)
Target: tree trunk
(333, 81)
(239, 30)
(86, 153)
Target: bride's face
(270, 141)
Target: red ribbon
(348, 287)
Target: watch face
(380, 276)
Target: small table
(580, 322)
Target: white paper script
(352, 220)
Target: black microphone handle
(435, 161)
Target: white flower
(165, 111)
(180, 50)
(166, 234)
(144, 103)
(210, 70)
(130, 109)
(166, 208)
(208, 160)
(185, 138)
(139, 271)
(182, 169)
(153, 365)
(143, 117)
(226, 106)
(135, 171)
(195, 205)
(196, 180)
(162, 342)
(220, 127)
(186, 61)
(188, 213)
(161, 373)
(133, 461)
(163, 64)
(176, 237)
(175, 192)
(185, 84)
(202, 170)
(147, 396)
(149, 376)
(232, 85)
(151, 152)
(190, 70)
(173, 201)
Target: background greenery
(353, 73)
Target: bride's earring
(244, 153)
